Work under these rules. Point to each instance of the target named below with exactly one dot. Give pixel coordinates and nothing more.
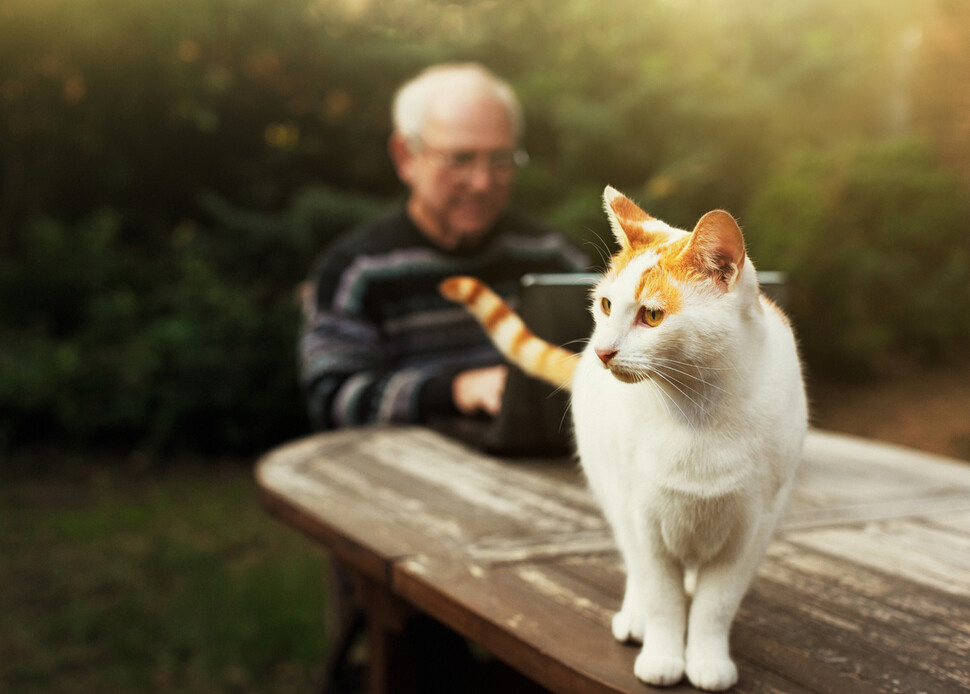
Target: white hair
(415, 97)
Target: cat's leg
(654, 610)
(720, 587)
(708, 660)
(658, 582)
(627, 624)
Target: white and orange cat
(689, 414)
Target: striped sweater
(379, 344)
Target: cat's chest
(693, 528)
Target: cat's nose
(606, 355)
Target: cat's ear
(716, 248)
(626, 219)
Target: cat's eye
(605, 305)
(651, 316)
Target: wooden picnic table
(866, 587)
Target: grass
(114, 580)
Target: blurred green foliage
(874, 238)
(169, 169)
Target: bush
(876, 240)
(189, 347)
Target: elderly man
(379, 343)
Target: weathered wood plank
(865, 594)
(755, 679)
(328, 497)
(881, 638)
(801, 515)
(880, 642)
(957, 522)
(851, 456)
(832, 655)
(503, 550)
(485, 483)
(497, 609)
(415, 492)
(844, 480)
(903, 547)
(867, 582)
(547, 623)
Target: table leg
(392, 668)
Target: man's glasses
(463, 163)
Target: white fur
(692, 463)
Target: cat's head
(671, 300)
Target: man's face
(460, 172)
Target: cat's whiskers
(694, 403)
(662, 396)
(604, 251)
(695, 375)
(687, 417)
(715, 359)
(559, 389)
(693, 396)
(707, 393)
(705, 367)
(646, 366)
(720, 352)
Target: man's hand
(479, 390)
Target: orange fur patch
(542, 363)
(628, 211)
(659, 283)
(497, 314)
(521, 337)
(624, 258)
(475, 291)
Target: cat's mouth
(626, 375)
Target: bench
(866, 587)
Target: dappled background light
(170, 168)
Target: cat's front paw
(658, 669)
(712, 674)
(627, 628)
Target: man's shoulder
(376, 241)
(373, 236)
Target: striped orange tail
(520, 345)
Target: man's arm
(347, 380)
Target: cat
(689, 414)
